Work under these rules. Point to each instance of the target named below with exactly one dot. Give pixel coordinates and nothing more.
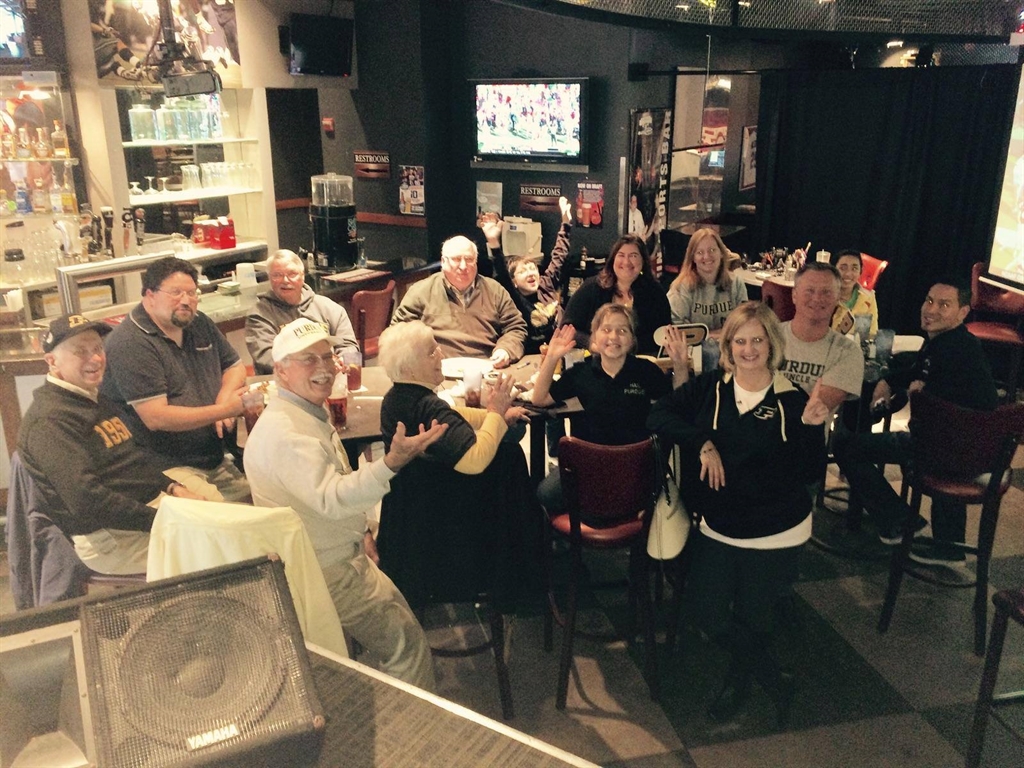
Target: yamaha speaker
(204, 669)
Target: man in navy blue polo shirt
(176, 378)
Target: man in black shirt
(951, 365)
(96, 482)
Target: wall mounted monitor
(320, 45)
(1006, 260)
(531, 123)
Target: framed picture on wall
(748, 158)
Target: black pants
(858, 456)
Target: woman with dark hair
(750, 442)
(705, 290)
(854, 298)
(627, 279)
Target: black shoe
(894, 535)
(730, 699)
(784, 698)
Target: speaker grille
(189, 672)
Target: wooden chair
(964, 456)
(871, 270)
(608, 499)
(371, 313)
(780, 298)
(1003, 330)
(1009, 604)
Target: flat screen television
(320, 45)
(14, 40)
(541, 122)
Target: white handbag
(670, 525)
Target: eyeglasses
(466, 261)
(330, 360)
(177, 293)
(286, 275)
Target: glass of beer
(338, 407)
(252, 407)
(352, 362)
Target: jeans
(858, 455)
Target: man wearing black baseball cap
(96, 483)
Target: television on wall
(524, 122)
(320, 45)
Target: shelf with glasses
(190, 194)
(188, 142)
(61, 160)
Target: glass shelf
(191, 194)
(69, 160)
(187, 142)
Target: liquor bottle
(24, 148)
(59, 141)
(22, 199)
(56, 197)
(40, 198)
(68, 197)
(41, 147)
(7, 145)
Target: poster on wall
(488, 197)
(411, 197)
(748, 158)
(539, 198)
(649, 147)
(590, 204)
(124, 33)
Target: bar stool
(1003, 332)
(1009, 604)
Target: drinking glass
(352, 362)
(883, 344)
(190, 177)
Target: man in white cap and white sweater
(293, 458)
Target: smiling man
(294, 458)
(176, 378)
(951, 365)
(470, 315)
(289, 299)
(95, 481)
(828, 366)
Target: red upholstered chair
(371, 314)
(999, 315)
(608, 498)
(780, 298)
(1009, 605)
(871, 270)
(962, 455)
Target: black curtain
(903, 164)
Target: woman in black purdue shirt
(750, 443)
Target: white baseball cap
(299, 335)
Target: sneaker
(938, 553)
(894, 535)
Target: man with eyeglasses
(293, 457)
(92, 477)
(176, 378)
(471, 316)
(289, 299)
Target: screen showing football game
(529, 119)
(1007, 259)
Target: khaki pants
(222, 483)
(375, 613)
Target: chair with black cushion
(608, 498)
(1009, 604)
(779, 298)
(997, 319)
(964, 456)
(871, 271)
(452, 538)
(371, 314)
(44, 567)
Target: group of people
(104, 445)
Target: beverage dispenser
(333, 216)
